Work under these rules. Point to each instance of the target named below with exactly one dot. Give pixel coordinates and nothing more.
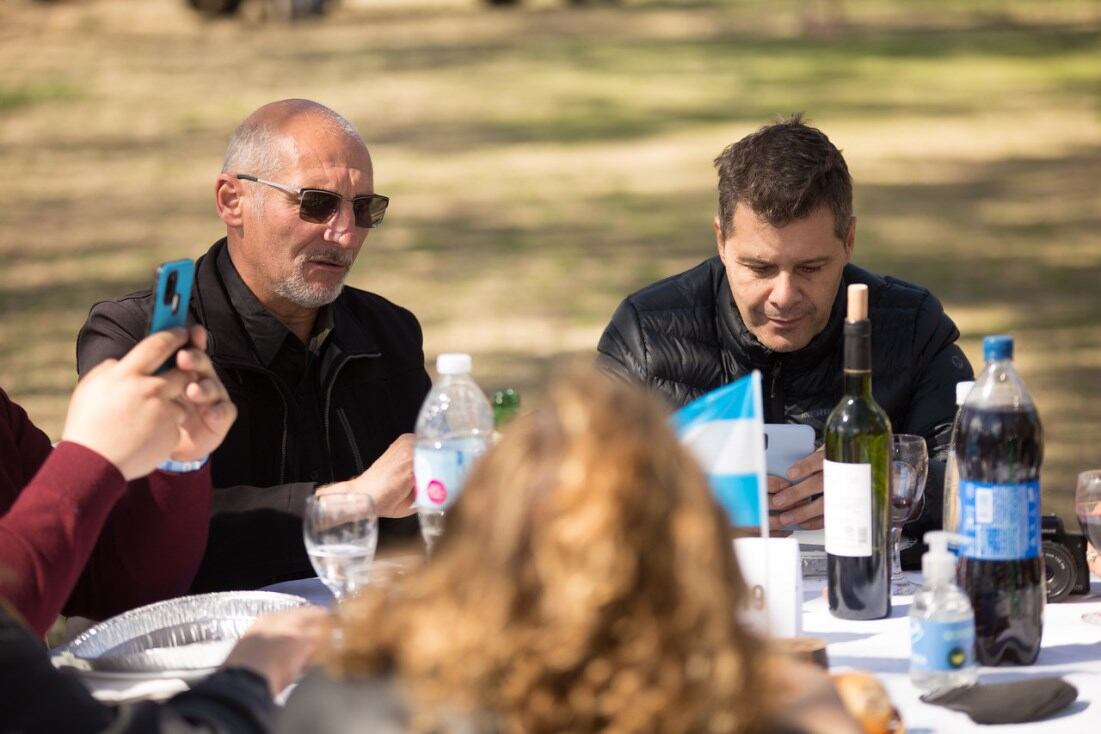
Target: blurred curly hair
(586, 582)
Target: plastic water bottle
(942, 625)
(999, 450)
(951, 521)
(454, 428)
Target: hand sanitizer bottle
(942, 623)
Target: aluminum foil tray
(186, 637)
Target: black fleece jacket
(372, 384)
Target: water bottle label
(1000, 521)
(941, 647)
(439, 473)
(847, 499)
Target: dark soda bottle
(999, 450)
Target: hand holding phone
(785, 445)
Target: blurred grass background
(546, 160)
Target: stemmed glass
(909, 469)
(1087, 506)
(341, 531)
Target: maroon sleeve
(75, 536)
(51, 527)
(150, 547)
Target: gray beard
(296, 290)
(301, 294)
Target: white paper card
(773, 572)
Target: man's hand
(280, 645)
(208, 410)
(389, 480)
(125, 413)
(792, 498)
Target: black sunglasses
(319, 205)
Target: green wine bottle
(857, 481)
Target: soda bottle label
(847, 496)
(1000, 521)
(941, 647)
(439, 473)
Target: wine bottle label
(941, 647)
(1000, 521)
(847, 496)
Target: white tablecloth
(1071, 649)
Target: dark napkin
(1007, 703)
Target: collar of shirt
(267, 333)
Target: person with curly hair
(586, 582)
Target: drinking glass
(1087, 506)
(909, 469)
(341, 531)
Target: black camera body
(1065, 564)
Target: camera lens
(1058, 570)
(170, 295)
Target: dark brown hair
(785, 172)
(586, 582)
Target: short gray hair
(255, 147)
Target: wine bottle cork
(858, 302)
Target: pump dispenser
(942, 623)
(938, 565)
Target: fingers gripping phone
(171, 299)
(786, 444)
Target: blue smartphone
(171, 299)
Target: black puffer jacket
(373, 383)
(683, 336)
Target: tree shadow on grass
(746, 78)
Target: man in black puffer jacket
(774, 300)
(327, 379)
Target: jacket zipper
(351, 440)
(328, 403)
(775, 415)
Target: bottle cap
(505, 405)
(453, 363)
(962, 388)
(938, 565)
(997, 347)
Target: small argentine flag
(725, 430)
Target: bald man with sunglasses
(327, 378)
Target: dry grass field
(546, 160)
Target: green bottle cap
(505, 405)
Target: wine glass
(1087, 506)
(341, 531)
(909, 469)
